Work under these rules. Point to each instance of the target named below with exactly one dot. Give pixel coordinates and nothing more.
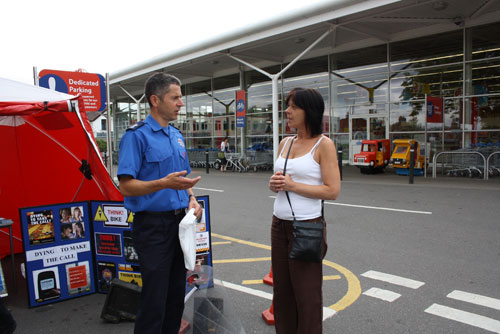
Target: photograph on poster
(70, 231)
(201, 225)
(47, 284)
(78, 277)
(128, 248)
(106, 272)
(109, 244)
(40, 227)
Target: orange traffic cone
(268, 315)
(268, 279)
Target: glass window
(307, 67)
(359, 90)
(407, 116)
(260, 99)
(452, 113)
(485, 42)
(361, 62)
(415, 83)
(259, 124)
(340, 120)
(427, 51)
(224, 102)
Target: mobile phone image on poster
(47, 285)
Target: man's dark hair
(159, 84)
(311, 101)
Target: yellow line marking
(255, 259)
(353, 284)
(353, 290)
(253, 281)
(331, 277)
(221, 243)
(249, 243)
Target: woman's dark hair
(159, 84)
(311, 101)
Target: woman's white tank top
(305, 170)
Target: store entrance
(365, 127)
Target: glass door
(365, 127)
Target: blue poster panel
(57, 246)
(115, 254)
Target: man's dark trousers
(156, 240)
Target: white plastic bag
(187, 237)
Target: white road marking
(327, 312)
(208, 189)
(385, 295)
(465, 317)
(475, 299)
(393, 279)
(376, 208)
(380, 208)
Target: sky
(108, 35)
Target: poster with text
(58, 251)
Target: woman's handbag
(307, 242)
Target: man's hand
(178, 182)
(193, 203)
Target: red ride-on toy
(374, 156)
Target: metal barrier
(488, 163)
(434, 161)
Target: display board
(115, 254)
(57, 245)
(3, 286)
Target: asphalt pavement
(402, 258)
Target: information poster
(57, 245)
(116, 256)
(115, 253)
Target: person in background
(312, 175)
(152, 171)
(224, 148)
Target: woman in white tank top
(312, 175)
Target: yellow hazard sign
(100, 216)
(130, 218)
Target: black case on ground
(122, 301)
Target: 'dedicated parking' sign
(90, 86)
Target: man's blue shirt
(150, 152)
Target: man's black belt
(175, 212)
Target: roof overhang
(356, 24)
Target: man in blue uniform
(152, 168)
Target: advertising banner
(434, 109)
(240, 108)
(92, 87)
(57, 244)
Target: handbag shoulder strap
(286, 192)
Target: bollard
(339, 159)
(206, 161)
(412, 162)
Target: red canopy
(47, 144)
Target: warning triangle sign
(130, 218)
(100, 216)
